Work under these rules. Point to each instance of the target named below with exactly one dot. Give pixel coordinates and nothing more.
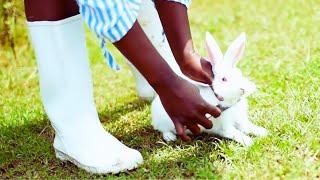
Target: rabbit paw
(169, 136)
(258, 131)
(245, 140)
(238, 136)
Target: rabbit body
(233, 123)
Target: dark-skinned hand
(186, 108)
(174, 19)
(181, 100)
(197, 68)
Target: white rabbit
(229, 84)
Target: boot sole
(64, 157)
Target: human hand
(186, 108)
(196, 68)
(181, 100)
(174, 19)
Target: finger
(214, 111)
(205, 122)
(206, 78)
(202, 77)
(181, 133)
(194, 128)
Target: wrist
(163, 80)
(187, 60)
(186, 55)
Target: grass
(282, 57)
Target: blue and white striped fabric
(112, 19)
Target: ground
(282, 56)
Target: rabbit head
(228, 82)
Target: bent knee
(50, 10)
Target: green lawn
(282, 57)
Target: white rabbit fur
(229, 83)
(233, 123)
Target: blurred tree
(11, 25)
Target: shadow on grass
(26, 151)
(118, 111)
(28, 147)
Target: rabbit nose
(242, 91)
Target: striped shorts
(112, 19)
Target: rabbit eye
(224, 79)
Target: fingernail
(218, 113)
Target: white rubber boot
(67, 95)
(144, 89)
(150, 22)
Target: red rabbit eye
(224, 79)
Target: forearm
(174, 19)
(136, 47)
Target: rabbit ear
(214, 52)
(236, 49)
